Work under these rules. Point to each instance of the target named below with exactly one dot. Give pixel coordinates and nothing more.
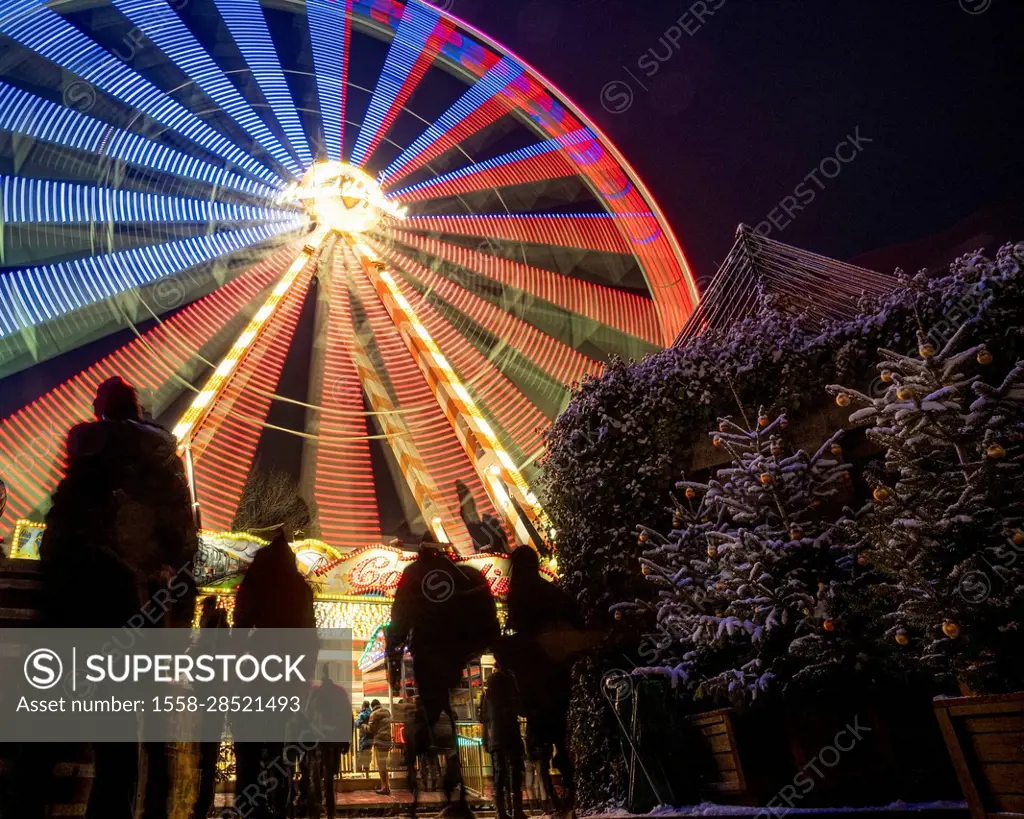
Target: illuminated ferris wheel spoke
(437, 515)
(150, 361)
(42, 293)
(515, 420)
(537, 163)
(592, 231)
(31, 116)
(337, 463)
(248, 27)
(558, 360)
(482, 105)
(626, 312)
(159, 23)
(40, 201)
(330, 32)
(433, 435)
(417, 322)
(42, 30)
(420, 35)
(224, 446)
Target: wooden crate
(985, 739)
(716, 739)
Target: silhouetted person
(548, 631)
(378, 727)
(446, 615)
(273, 595)
(499, 713)
(364, 752)
(487, 533)
(213, 624)
(121, 539)
(330, 705)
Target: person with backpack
(446, 615)
(364, 752)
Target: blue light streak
(40, 294)
(248, 27)
(418, 23)
(482, 91)
(39, 28)
(29, 115)
(330, 32)
(45, 201)
(161, 25)
(548, 146)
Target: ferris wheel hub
(343, 198)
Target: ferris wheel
(209, 196)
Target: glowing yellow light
(217, 381)
(495, 469)
(343, 198)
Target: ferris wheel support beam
(423, 487)
(501, 478)
(218, 381)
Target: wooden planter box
(845, 754)
(985, 739)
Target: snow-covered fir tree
(944, 535)
(749, 576)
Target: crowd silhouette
(122, 528)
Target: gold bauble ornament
(950, 629)
(776, 450)
(805, 612)
(719, 614)
(901, 637)
(887, 376)
(796, 533)
(904, 393)
(1017, 538)
(843, 399)
(767, 479)
(716, 441)
(644, 570)
(618, 615)
(677, 523)
(829, 625)
(862, 560)
(996, 452)
(691, 493)
(927, 350)
(763, 421)
(836, 450)
(712, 551)
(643, 537)
(881, 494)
(984, 358)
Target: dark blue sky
(754, 97)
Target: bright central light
(342, 197)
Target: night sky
(755, 96)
